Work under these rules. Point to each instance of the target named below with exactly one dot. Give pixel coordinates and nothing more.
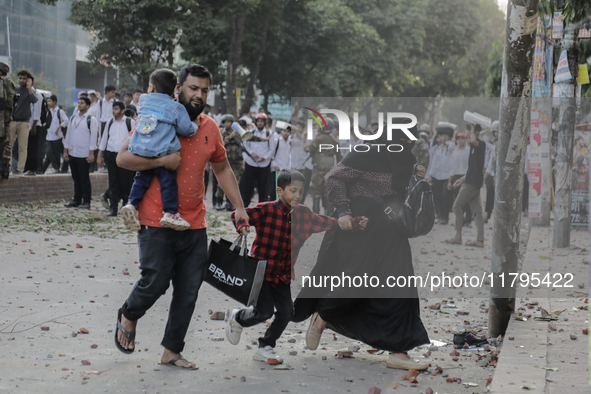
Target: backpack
(59, 119)
(108, 128)
(416, 215)
(45, 119)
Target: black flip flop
(130, 336)
(172, 363)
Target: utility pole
(514, 124)
(564, 152)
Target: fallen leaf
(83, 331)
(78, 246)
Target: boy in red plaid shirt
(277, 239)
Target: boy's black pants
(270, 299)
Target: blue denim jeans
(167, 255)
(169, 190)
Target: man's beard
(191, 109)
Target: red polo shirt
(196, 151)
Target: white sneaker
(266, 354)
(233, 328)
(174, 221)
(131, 220)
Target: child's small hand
(363, 222)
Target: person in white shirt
(105, 107)
(136, 98)
(459, 167)
(79, 147)
(55, 134)
(94, 103)
(120, 179)
(36, 144)
(438, 174)
(104, 114)
(257, 158)
(281, 159)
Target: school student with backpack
(54, 139)
(120, 179)
(79, 147)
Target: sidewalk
(539, 345)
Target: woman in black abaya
(392, 323)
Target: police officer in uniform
(7, 92)
(323, 160)
(233, 145)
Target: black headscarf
(399, 164)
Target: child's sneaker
(267, 354)
(130, 217)
(174, 221)
(233, 328)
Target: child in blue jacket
(160, 119)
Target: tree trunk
(237, 30)
(564, 156)
(513, 135)
(254, 72)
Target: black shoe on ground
(84, 205)
(72, 204)
(469, 338)
(218, 207)
(105, 201)
(230, 207)
(112, 213)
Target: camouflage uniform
(421, 152)
(323, 162)
(234, 154)
(7, 92)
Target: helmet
(425, 127)
(227, 117)
(5, 68)
(495, 126)
(330, 124)
(260, 116)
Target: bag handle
(243, 250)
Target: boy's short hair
(110, 88)
(85, 99)
(128, 94)
(53, 98)
(138, 91)
(119, 104)
(285, 177)
(164, 81)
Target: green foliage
(574, 10)
(420, 48)
(494, 71)
(137, 36)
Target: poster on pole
(562, 71)
(557, 25)
(580, 179)
(539, 162)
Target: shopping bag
(232, 271)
